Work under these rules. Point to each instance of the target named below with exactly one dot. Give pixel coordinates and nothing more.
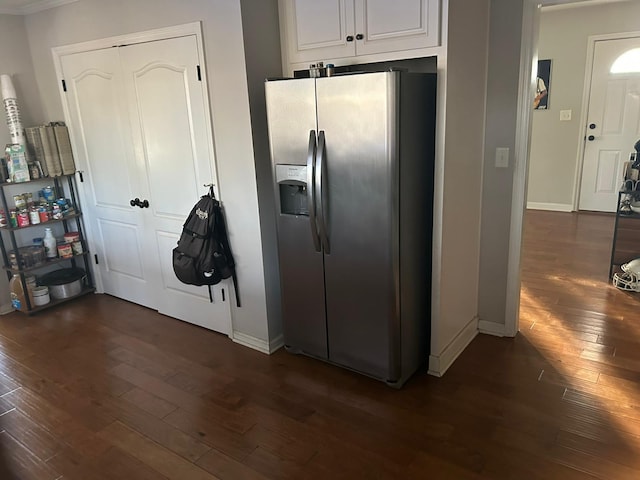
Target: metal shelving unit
(10, 232)
(626, 234)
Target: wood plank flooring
(103, 389)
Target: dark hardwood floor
(103, 389)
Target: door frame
(526, 91)
(187, 29)
(584, 111)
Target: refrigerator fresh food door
(291, 115)
(358, 120)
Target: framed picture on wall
(543, 85)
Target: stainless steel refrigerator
(353, 163)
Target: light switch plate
(565, 115)
(502, 157)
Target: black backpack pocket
(185, 269)
(221, 262)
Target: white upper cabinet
(319, 29)
(398, 25)
(333, 29)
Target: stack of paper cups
(10, 100)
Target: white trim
(491, 328)
(257, 343)
(551, 207)
(34, 7)
(528, 55)
(439, 364)
(193, 28)
(438, 183)
(584, 111)
(574, 4)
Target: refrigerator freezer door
(358, 116)
(291, 114)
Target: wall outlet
(502, 157)
(565, 115)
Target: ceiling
(25, 7)
(568, 2)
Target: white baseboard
(257, 343)
(276, 344)
(552, 207)
(6, 308)
(439, 364)
(491, 328)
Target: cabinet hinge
(96, 257)
(199, 74)
(64, 85)
(81, 177)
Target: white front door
(139, 119)
(613, 125)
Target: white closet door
(174, 157)
(104, 151)
(156, 117)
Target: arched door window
(628, 62)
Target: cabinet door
(318, 30)
(393, 26)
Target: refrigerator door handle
(311, 200)
(321, 171)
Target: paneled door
(613, 122)
(138, 116)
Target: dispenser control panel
(292, 186)
(287, 173)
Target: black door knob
(359, 36)
(349, 38)
(144, 204)
(591, 138)
(134, 202)
(592, 126)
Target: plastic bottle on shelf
(17, 293)
(50, 244)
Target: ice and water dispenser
(292, 183)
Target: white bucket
(41, 296)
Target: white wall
(16, 61)
(454, 322)
(501, 131)
(223, 41)
(263, 59)
(555, 144)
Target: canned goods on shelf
(77, 247)
(19, 201)
(23, 218)
(13, 218)
(34, 216)
(47, 193)
(45, 214)
(56, 212)
(65, 250)
(71, 237)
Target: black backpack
(203, 255)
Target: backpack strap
(221, 229)
(234, 277)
